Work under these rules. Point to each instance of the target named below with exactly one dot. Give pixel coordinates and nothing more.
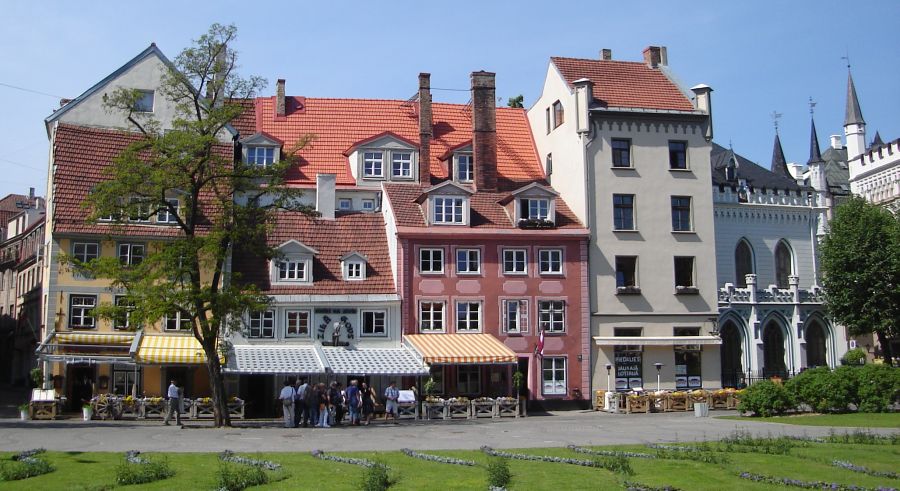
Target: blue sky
(759, 56)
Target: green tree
(517, 101)
(861, 270)
(221, 202)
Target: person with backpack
(312, 406)
(336, 399)
(323, 405)
(352, 397)
(301, 413)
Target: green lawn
(862, 420)
(805, 461)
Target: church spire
(815, 155)
(853, 114)
(779, 164)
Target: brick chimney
(425, 128)
(653, 56)
(280, 110)
(606, 54)
(484, 126)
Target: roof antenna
(775, 116)
(812, 106)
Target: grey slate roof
(815, 155)
(837, 174)
(756, 176)
(853, 114)
(779, 163)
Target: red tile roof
(338, 124)
(486, 210)
(625, 83)
(82, 155)
(348, 232)
(9, 209)
(245, 123)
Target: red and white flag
(540, 346)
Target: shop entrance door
(81, 384)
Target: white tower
(854, 125)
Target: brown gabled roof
(339, 124)
(81, 157)
(486, 210)
(9, 207)
(348, 232)
(625, 83)
(245, 124)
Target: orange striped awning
(460, 348)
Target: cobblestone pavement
(551, 430)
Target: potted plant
(429, 387)
(37, 378)
(87, 411)
(23, 411)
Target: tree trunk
(217, 383)
(885, 348)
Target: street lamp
(608, 368)
(658, 368)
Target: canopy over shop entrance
(274, 360)
(84, 347)
(169, 349)
(459, 349)
(374, 361)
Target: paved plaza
(551, 430)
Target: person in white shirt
(174, 396)
(287, 402)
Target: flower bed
(229, 456)
(786, 481)
(610, 453)
(437, 458)
(344, 460)
(843, 464)
(138, 470)
(540, 458)
(24, 465)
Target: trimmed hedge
(766, 399)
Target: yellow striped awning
(94, 338)
(460, 348)
(170, 349)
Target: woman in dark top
(323, 406)
(368, 402)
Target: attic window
(534, 209)
(464, 169)
(354, 266)
(144, 102)
(294, 266)
(261, 156)
(558, 114)
(449, 210)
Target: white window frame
(470, 319)
(182, 322)
(368, 205)
(552, 315)
(374, 316)
(428, 320)
(163, 215)
(83, 304)
(354, 270)
(260, 155)
(264, 324)
(514, 313)
(545, 264)
(129, 255)
(403, 159)
(528, 202)
(143, 211)
(466, 377)
(345, 204)
(119, 300)
(523, 261)
(373, 164)
(553, 385)
(300, 270)
(456, 207)
(431, 261)
(86, 256)
(461, 174)
(300, 314)
(467, 261)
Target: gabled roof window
(353, 265)
(294, 265)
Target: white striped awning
(373, 361)
(164, 349)
(94, 339)
(279, 359)
(655, 340)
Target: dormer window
(465, 171)
(449, 210)
(165, 215)
(401, 165)
(295, 264)
(373, 164)
(535, 208)
(353, 265)
(261, 156)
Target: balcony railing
(731, 294)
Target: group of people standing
(309, 404)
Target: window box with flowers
(536, 223)
(678, 401)
(483, 407)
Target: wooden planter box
(132, 410)
(483, 409)
(678, 402)
(659, 402)
(43, 409)
(637, 404)
(407, 410)
(458, 410)
(734, 401)
(719, 401)
(434, 410)
(153, 409)
(507, 407)
(695, 398)
(201, 410)
(236, 409)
